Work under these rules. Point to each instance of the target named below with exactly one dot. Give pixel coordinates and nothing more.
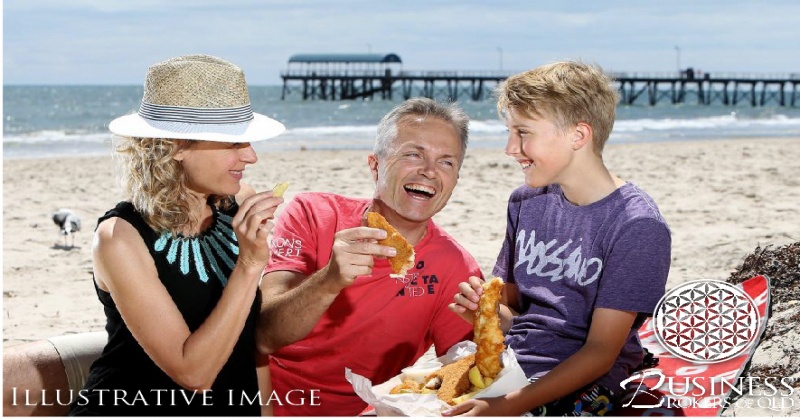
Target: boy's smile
(540, 147)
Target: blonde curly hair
(156, 183)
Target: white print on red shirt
(416, 285)
(286, 247)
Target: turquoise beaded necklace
(204, 251)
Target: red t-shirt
(375, 327)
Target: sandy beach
(721, 198)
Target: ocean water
(46, 121)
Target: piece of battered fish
(454, 379)
(404, 260)
(486, 328)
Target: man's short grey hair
(422, 107)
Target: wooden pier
(432, 84)
(360, 76)
(711, 88)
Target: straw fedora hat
(196, 97)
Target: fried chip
(279, 189)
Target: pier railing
(403, 73)
(670, 75)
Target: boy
(586, 254)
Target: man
(328, 299)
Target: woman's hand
(252, 225)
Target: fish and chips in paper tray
(480, 369)
(410, 404)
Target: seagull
(69, 222)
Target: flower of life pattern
(706, 321)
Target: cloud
(104, 42)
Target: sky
(114, 41)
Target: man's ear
(581, 135)
(373, 166)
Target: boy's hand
(478, 407)
(465, 303)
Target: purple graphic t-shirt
(567, 260)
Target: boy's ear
(581, 135)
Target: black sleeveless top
(194, 271)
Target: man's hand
(465, 303)
(353, 253)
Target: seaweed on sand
(782, 266)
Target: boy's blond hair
(568, 92)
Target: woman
(177, 265)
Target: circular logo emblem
(706, 321)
